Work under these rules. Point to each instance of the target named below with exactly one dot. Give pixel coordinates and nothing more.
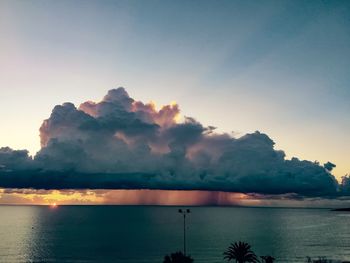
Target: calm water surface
(146, 234)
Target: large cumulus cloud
(120, 143)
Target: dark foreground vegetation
(177, 257)
(240, 252)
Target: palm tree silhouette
(240, 252)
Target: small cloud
(329, 166)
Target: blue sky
(281, 67)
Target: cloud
(345, 184)
(120, 143)
(11, 160)
(329, 166)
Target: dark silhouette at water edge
(178, 257)
(342, 209)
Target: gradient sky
(281, 67)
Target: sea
(145, 234)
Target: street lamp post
(184, 212)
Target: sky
(279, 67)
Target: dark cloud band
(120, 143)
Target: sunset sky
(281, 68)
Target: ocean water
(146, 233)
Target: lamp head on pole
(184, 211)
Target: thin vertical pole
(185, 234)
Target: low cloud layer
(120, 143)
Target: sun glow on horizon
(123, 197)
(55, 198)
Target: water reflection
(146, 234)
(16, 232)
